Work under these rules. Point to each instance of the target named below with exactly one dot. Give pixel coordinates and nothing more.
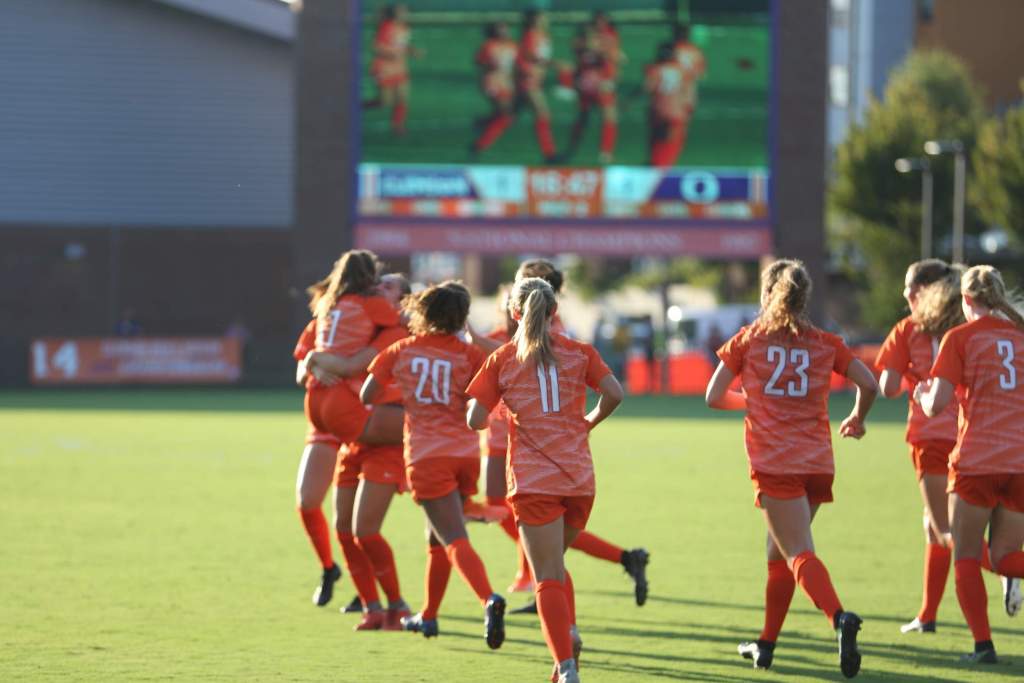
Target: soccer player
(392, 46)
(665, 83)
(785, 365)
(981, 361)
(542, 377)
(432, 369)
(594, 80)
(532, 61)
(496, 59)
(692, 62)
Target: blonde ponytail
(937, 309)
(985, 285)
(533, 300)
(785, 291)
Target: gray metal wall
(130, 113)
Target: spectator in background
(127, 325)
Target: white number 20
(798, 357)
(1008, 381)
(440, 374)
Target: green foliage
(997, 184)
(931, 96)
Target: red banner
(199, 360)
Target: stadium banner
(485, 127)
(135, 360)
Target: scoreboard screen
(506, 128)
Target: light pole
(921, 164)
(956, 147)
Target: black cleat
(494, 621)
(417, 624)
(323, 594)
(635, 562)
(847, 625)
(354, 607)
(528, 608)
(761, 651)
(986, 656)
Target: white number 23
(798, 357)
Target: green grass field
(153, 536)
(729, 126)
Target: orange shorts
(816, 487)
(337, 411)
(989, 490)
(931, 457)
(537, 509)
(379, 464)
(437, 477)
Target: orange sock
(398, 117)
(570, 597)
(597, 547)
(970, 591)
(609, 130)
(778, 594)
(553, 609)
(812, 576)
(383, 561)
(542, 127)
(495, 127)
(359, 568)
(936, 571)
(471, 567)
(319, 534)
(1012, 565)
(439, 569)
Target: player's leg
(609, 125)
(545, 545)
(494, 126)
(356, 561)
(541, 122)
(1005, 533)
(383, 426)
(312, 483)
(495, 489)
(371, 505)
(436, 575)
(633, 561)
(967, 524)
(401, 110)
(938, 551)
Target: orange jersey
(548, 446)
(984, 360)
(306, 341)
(593, 72)
(786, 379)
(497, 59)
(351, 325)
(910, 353)
(390, 393)
(532, 58)
(666, 85)
(432, 372)
(497, 425)
(390, 48)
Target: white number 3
(799, 357)
(1004, 347)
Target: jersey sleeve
(484, 387)
(389, 336)
(844, 356)
(949, 363)
(597, 369)
(382, 366)
(306, 342)
(476, 357)
(380, 311)
(734, 351)
(895, 352)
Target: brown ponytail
(440, 309)
(356, 272)
(543, 269)
(785, 290)
(985, 285)
(937, 309)
(534, 300)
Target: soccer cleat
(353, 607)
(494, 621)
(394, 618)
(762, 652)
(478, 512)
(635, 563)
(986, 656)
(568, 672)
(325, 591)
(528, 608)
(372, 621)
(847, 625)
(417, 624)
(918, 626)
(521, 584)
(1012, 595)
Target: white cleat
(917, 626)
(1013, 597)
(567, 672)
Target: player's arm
(368, 392)
(342, 366)
(719, 396)
(867, 391)
(891, 383)
(482, 341)
(477, 415)
(934, 395)
(610, 396)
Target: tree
(930, 96)
(997, 186)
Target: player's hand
(325, 377)
(921, 389)
(852, 428)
